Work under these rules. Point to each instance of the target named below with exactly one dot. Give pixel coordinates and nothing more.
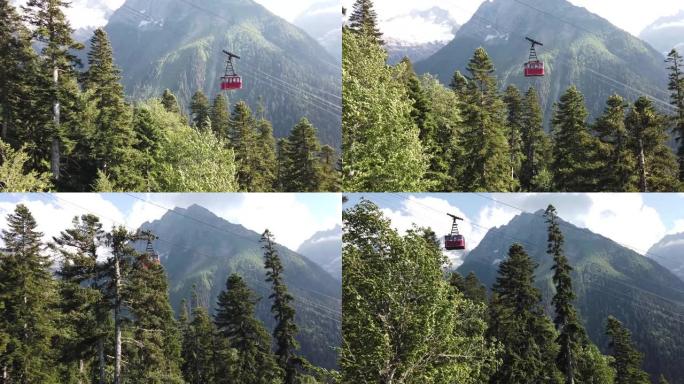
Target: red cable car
(454, 241)
(230, 80)
(534, 67)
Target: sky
(293, 218)
(630, 15)
(634, 220)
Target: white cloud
(288, 10)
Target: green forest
(66, 128)
(409, 319)
(404, 132)
(68, 315)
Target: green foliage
(381, 143)
(364, 20)
(516, 121)
(627, 361)
(220, 119)
(536, 147)
(199, 347)
(676, 86)
(402, 321)
(301, 168)
(618, 172)
(200, 111)
(13, 177)
(170, 102)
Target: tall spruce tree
(285, 330)
(220, 117)
(574, 148)
(200, 111)
(487, 155)
(536, 147)
(330, 174)
(518, 321)
(52, 29)
(243, 139)
(113, 137)
(627, 360)
(28, 297)
(516, 115)
(170, 102)
(618, 162)
(303, 171)
(199, 348)
(267, 165)
(364, 20)
(656, 164)
(676, 86)
(571, 334)
(236, 322)
(83, 305)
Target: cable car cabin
(231, 82)
(534, 69)
(454, 242)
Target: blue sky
(633, 220)
(292, 217)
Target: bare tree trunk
(54, 156)
(101, 360)
(80, 371)
(643, 187)
(117, 320)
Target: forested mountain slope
(669, 252)
(608, 279)
(178, 45)
(580, 48)
(207, 249)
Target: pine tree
(28, 297)
(156, 356)
(574, 148)
(487, 155)
(676, 86)
(236, 322)
(51, 28)
(330, 174)
(285, 330)
(83, 305)
(519, 322)
(536, 147)
(148, 142)
(267, 165)
(170, 102)
(618, 165)
(113, 138)
(473, 289)
(303, 173)
(282, 164)
(571, 334)
(459, 83)
(516, 115)
(656, 165)
(199, 348)
(627, 361)
(243, 139)
(364, 20)
(220, 118)
(421, 105)
(200, 111)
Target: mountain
(202, 249)
(608, 279)
(583, 49)
(325, 249)
(414, 42)
(666, 33)
(669, 252)
(323, 22)
(178, 45)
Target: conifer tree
(220, 118)
(156, 355)
(473, 289)
(83, 305)
(487, 155)
(330, 175)
(574, 148)
(28, 297)
(571, 335)
(656, 164)
(364, 20)
(420, 112)
(236, 322)
(618, 171)
(285, 330)
(198, 349)
(148, 143)
(676, 86)
(459, 83)
(627, 361)
(170, 102)
(514, 102)
(519, 322)
(303, 173)
(267, 163)
(536, 147)
(200, 111)
(282, 164)
(113, 138)
(243, 139)
(51, 28)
